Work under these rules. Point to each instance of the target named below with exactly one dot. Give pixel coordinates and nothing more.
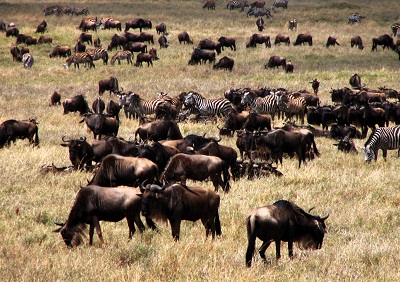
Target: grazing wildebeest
(76, 104)
(385, 40)
(234, 121)
(276, 61)
(79, 47)
(16, 53)
(356, 41)
(289, 67)
(197, 167)
(210, 45)
(42, 27)
(12, 31)
(60, 51)
(11, 130)
(55, 99)
(110, 84)
(227, 42)
(45, 39)
(201, 55)
(101, 124)
(282, 38)
(86, 37)
(283, 221)
(116, 170)
(146, 37)
(94, 204)
(225, 63)
(259, 39)
(355, 81)
(132, 37)
(110, 23)
(136, 47)
(117, 41)
(210, 5)
(260, 24)
(144, 57)
(302, 39)
(178, 202)
(256, 121)
(185, 38)
(161, 28)
(158, 130)
(332, 41)
(346, 145)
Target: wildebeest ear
(139, 195)
(64, 145)
(335, 144)
(57, 230)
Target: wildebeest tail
(315, 149)
(251, 239)
(217, 225)
(37, 136)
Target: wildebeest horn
(82, 139)
(142, 186)
(311, 209)
(218, 127)
(59, 223)
(155, 188)
(63, 139)
(325, 217)
(218, 140)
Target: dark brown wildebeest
(210, 5)
(356, 41)
(166, 110)
(282, 38)
(146, 37)
(355, 81)
(116, 170)
(12, 31)
(81, 153)
(162, 40)
(260, 24)
(161, 28)
(227, 42)
(109, 24)
(224, 63)
(144, 57)
(283, 221)
(289, 66)
(138, 23)
(185, 38)
(234, 121)
(201, 55)
(132, 37)
(117, 41)
(21, 38)
(86, 37)
(332, 41)
(30, 40)
(11, 130)
(197, 167)
(94, 204)
(42, 27)
(339, 131)
(55, 99)
(16, 53)
(256, 121)
(100, 124)
(158, 130)
(86, 25)
(302, 39)
(346, 145)
(276, 61)
(153, 53)
(180, 144)
(210, 45)
(45, 39)
(259, 39)
(198, 141)
(178, 202)
(79, 47)
(136, 47)
(75, 104)
(60, 51)
(97, 42)
(385, 40)
(157, 153)
(315, 85)
(98, 106)
(112, 109)
(110, 84)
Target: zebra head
(189, 100)
(369, 154)
(247, 99)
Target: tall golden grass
(362, 242)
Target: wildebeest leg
(210, 227)
(131, 224)
(278, 248)
(175, 227)
(217, 181)
(290, 247)
(150, 223)
(91, 232)
(96, 224)
(263, 248)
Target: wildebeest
(86, 37)
(79, 47)
(227, 42)
(116, 170)
(153, 53)
(332, 41)
(136, 47)
(60, 51)
(210, 45)
(75, 104)
(94, 204)
(283, 221)
(117, 41)
(276, 61)
(201, 55)
(112, 109)
(197, 167)
(259, 39)
(256, 121)
(132, 37)
(12, 31)
(98, 106)
(108, 84)
(11, 130)
(234, 121)
(42, 27)
(161, 28)
(210, 5)
(260, 24)
(144, 57)
(185, 38)
(356, 41)
(385, 40)
(178, 202)
(282, 38)
(225, 63)
(289, 66)
(138, 23)
(44, 39)
(16, 53)
(110, 23)
(146, 37)
(163, 41)
(55, 99)
(80, 151)
(315, 85)
(346, 145)
(100, 124)
(158, 130)
(355, 81)
(90, 24)
(302, 39)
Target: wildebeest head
(80, 151)
(72, 236)
(153, 200)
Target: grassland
(362, 243)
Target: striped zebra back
(262, 105)
(209, 107)
(141, 106)
(384, 138)
(98, 53)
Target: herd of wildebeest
(159, 160)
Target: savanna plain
(362, 242)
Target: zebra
(208, 107)
(292, 105)
(279, 4)
(77, 58)
(395, 29)
(27, 60)
(259, 12)
(262, 105)
(355, 18)
(98, 53)
(122, 55)
(80, 11)
(236, 4)
(384, 138)
(139, 107)
(292, 24)
(176, 101)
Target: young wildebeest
(355, 81)
(178, 202)
(144, 57)
(276, 61)
(197, 167)
(357, 41)
(42, 27)
(331, 41)
(108, 84)
(260, 24)
(45, 39)
(283, 221)
(315, 85)
(100, 124)
(282, 38)
(184, 37)
(94, 204)
(162, 40)
(55, 99)
(224, 63)
(289, 67)
(302, 39)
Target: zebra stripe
(259, 12)
(395, 29)
(77, 58)
(142, 107)
(122, 55)
(292, 105)
(236, 4)
(384, 138)
(98, 53)
(27, 60)
(208, 107)
(355, 18)
(262, 105)
(280, 4)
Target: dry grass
(363, 229)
